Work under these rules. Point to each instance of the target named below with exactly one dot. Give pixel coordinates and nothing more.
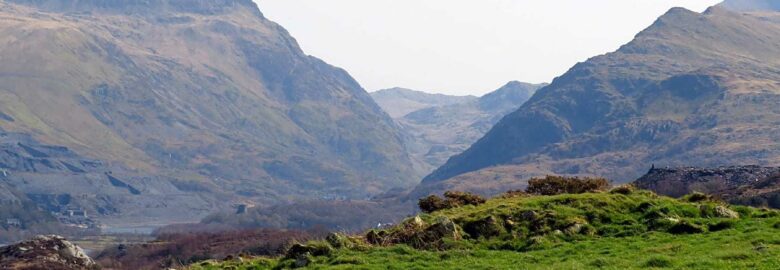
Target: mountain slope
(697, 89)
(439, 132)
(208, 98)
(400, 101)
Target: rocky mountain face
(748, 185)
(446, 126)
(45, 252)
(693, 89)
(168, 109)
(399, 102)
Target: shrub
(554, 185)
(623, 189)
(451, 199)
(456, 198)
(697, 197)
(432, 204)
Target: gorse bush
(456, 198)
(432, 204)
(451, 199)
(555, 185)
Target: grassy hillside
(620, 229)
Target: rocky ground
(748, 185)
(45, 252)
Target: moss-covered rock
(487, 227)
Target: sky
(463, 47)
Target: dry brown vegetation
(451, 199)
(181, 249)
(554, 185)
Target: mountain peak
(207, 7)
(751, 5)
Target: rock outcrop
(676, 182)
(45, 252)
(747, 185)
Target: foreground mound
(622, 228)
(45, 252)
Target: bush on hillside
(457, 198)
(432, 204)
(554, 185)
(451, 199)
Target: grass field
(617, 231)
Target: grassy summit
(619, 229)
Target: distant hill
(167, 110)
(691, 89)
(445, 126)
(400, 101)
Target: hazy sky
(463, 46)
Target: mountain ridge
(399, 101)
(145, 7)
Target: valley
(198, 134)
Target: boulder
(725, 212)
(486, 227)
(45, 252)
(529, 215)
(444, 228)
(338, 240)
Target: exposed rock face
(443, 126)
(748, 185)
(45, 252)
(195, 101)
(694, 89)
(676, 182)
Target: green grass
(622, 236)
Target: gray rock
(724, 212)
(45, 252)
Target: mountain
(694, 89)
(166, 110)
(443, 129)
(400, 101)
